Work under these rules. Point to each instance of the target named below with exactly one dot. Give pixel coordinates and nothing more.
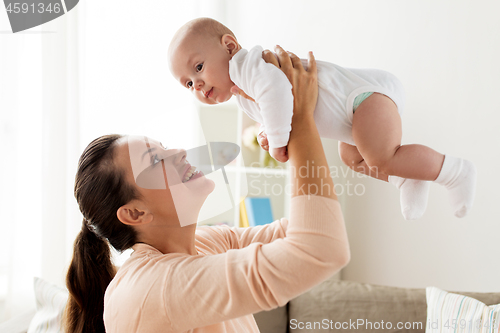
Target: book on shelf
(258, 210)
(243, 214)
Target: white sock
(459, 177)
(413, 196)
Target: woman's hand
(305, 149)
(304, 82)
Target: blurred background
(102, 68)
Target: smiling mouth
(209, 93)
(190, 173)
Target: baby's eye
(189, 84)
(155, 159)
(199, 67)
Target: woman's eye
(189, 84)
(199, 67)
(155, 159)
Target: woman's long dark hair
(100, 189)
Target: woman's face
(170, 187)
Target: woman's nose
(180, 157)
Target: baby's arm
(272, 92)
(279, 154)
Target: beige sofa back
(351, 306)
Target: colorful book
(258, 211)
(243, 215)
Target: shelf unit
(225, 122)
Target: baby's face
(202, 66)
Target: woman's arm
(305, 143)
(205, 290)
(309, 170)
(305, 149)
(308, 165)
(231, 238)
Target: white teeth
(191, 172)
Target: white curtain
(39, 150)
(99, 69)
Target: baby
(358, 107)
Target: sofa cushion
(450, 312)
(353, 306)
(50, 303)
(276, 320)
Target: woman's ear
(230, 44)
(133, 214)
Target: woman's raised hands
(304, 82)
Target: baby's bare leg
(377, 132)
(376, 129)
(351, 157)
(414, 193)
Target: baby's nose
(198, 85)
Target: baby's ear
(230, 44)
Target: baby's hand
(262, 139)
(279, 154)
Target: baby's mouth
(209, 93)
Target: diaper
(359, 99)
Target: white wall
(446, 54)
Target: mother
(206, 279)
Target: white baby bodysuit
(338, 87)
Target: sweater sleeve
(270, 89)
(204, 290)
(224, 238)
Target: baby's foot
(413, 196)
(459, 177)
(279, 154)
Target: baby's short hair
(206, 27)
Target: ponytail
(100, 190)
(89, 275)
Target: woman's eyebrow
(147, 151)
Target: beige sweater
(237, 272)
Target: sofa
(333, 305)
(347, 306)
